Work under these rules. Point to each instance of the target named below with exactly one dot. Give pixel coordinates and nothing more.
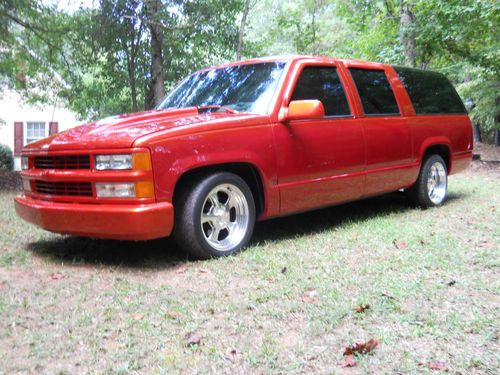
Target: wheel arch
(247, 171)
(441, 148)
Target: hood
(123, 130)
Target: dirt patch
(487, 152)
(10, 181)
(487, 160)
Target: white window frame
(25, 132)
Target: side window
(323, 84)
(375, 92)
(430, 92)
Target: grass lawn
(283, 306)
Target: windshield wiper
(215, 108)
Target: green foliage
(6, 158)
(460, 38)
(99, 59)
(483, 89)
(31, 45)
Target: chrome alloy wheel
(436, 183)
(225, 217)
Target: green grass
(126, 307)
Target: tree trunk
(133, 88)
(313, 27)
(157, 86)
(406, 33)
(477, 133)
(497, 121)
(241, 32)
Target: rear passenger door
(320, 161)
(389, 164)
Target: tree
(241, 31)
(457, 37)
(30, 45)
(153, 13)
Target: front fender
(254, 145)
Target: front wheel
(431, 187)
(214, 215)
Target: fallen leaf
(137, 316)
(439, 366)
(310, 296)
(172, 315)
(348, 361)
(57, 276)
(232, 355)
(361, 308)
(485, 245)
(181, 269)
(361, 347)
(400, 245)
(192, 339)
(387, 295)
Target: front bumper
(113, 221)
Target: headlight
(114, 161)
(24, 163)
(115, 190)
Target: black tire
(194, 200)
(420, 194)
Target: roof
(311, 58)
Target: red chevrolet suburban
(248, 141)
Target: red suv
(248, 141)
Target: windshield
(243, 88)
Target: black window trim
(398, 114)
(326, 118)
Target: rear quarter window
(430, 92)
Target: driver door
(320, 161)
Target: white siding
(12, 110)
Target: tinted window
(322, 84)
(430, 92)
(375, 92)
(247, 88)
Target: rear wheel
(214, 215)
(431, 187)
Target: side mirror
(303, 109)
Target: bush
(6, 158)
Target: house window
(35, 131)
